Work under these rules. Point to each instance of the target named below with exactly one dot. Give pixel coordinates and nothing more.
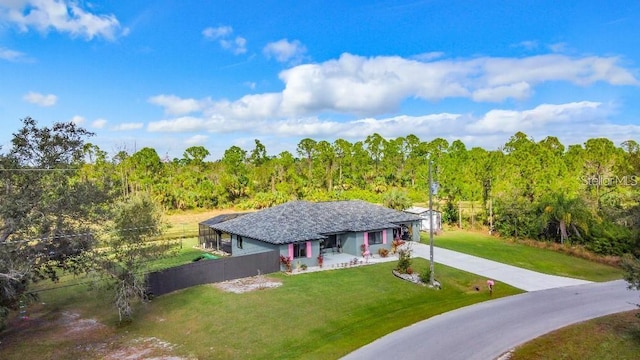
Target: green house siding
(249, 246)
(310, 258)
(373, 248)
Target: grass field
(614, 337)
(510, 252)
(321, 315)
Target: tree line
(586, 193)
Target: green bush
(404, 261)
(425, 276)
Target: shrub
(286, 261)
(404, 260)
(425, 276)
(383, 252)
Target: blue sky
(175, 74)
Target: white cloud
(429, 56)
(527, 45)
(510, 121)
(10, 55)
(521, 90)
(60, 15)
(128, 126)
(40, 99)
(176, 106)
(237, 46)
(285, 50)
(181, 124)
(196, 140)
(369, 87)
(212, 33)
(78, 120)
(223, 34)
(558, 47)
(99, 123)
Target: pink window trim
(291, 251)
(366, 239)
(384, 236)
(308, 249)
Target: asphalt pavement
(486, 330)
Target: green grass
(184, 255)
(532, 258)
(614, 337)
(321, 315)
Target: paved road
(517, 277)
(485, 331)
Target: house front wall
(312, 250)
(387, 238)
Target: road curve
(486, 330)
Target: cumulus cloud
(285, 50)
(370, 88)
(196, 140)
(10, 55)
(224, 36)
(176, 106)
(510, 121)
(519, 91)
(99, 123)
(491, 129)
(237, 46)
(78, 120)
(41, 99)
(60, 15)
(128, 126)
(212, 33)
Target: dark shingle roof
(221, 218)
(302, 220)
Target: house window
(239, 242)
(299, 250)
(375, 237)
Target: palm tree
(565, 213)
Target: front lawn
(532, 258)
(320, 315)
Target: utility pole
(490, 216)
(431, 268)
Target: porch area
(335, 260)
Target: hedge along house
(303, 230)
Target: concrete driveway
(517, 277)
(486, 330)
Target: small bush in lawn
(425, 276)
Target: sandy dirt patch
(253, 283)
